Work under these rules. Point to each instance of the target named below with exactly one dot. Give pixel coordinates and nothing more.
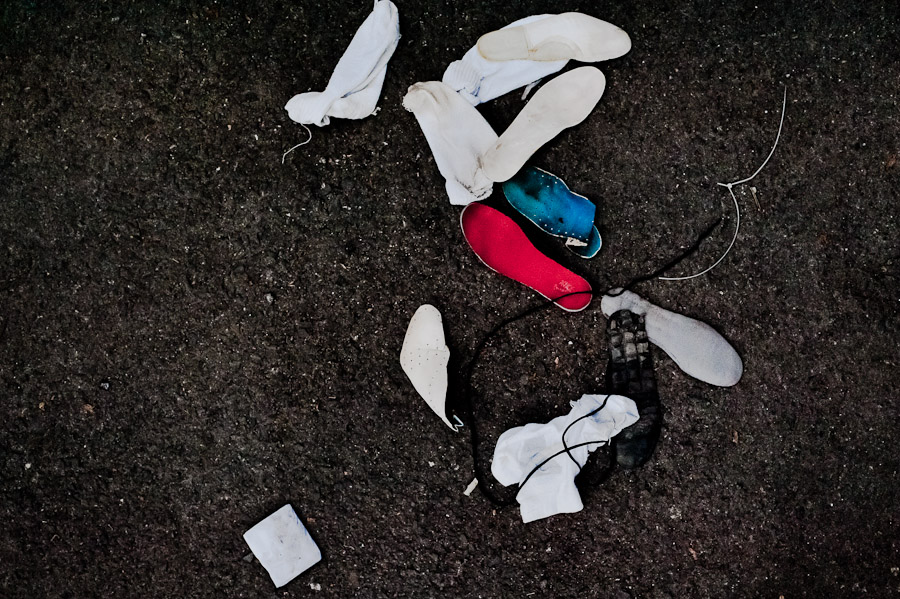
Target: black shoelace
(467, 372)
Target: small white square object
(283, 546)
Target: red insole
(502, 245)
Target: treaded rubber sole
(630, 373)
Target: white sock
(551, 489)
(571, 35)
(562, 103)
(697, 348)
(458, 136)
(479, 80)
(355, 85)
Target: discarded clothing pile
(624, 423)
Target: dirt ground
(193, 334)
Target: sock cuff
(465, 79)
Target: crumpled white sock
(697, 348)
(458, 137)
(551, 489)
(479, 80)
(355, 86)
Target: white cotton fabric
(479, 80)
(355, 86)
(283, 546)
(458, 137)
(551, 489)
(697, 348)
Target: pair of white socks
(551, 488)
(468, 153)
(355, 86)
(466, 149)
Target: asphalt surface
(193, 334)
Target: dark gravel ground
(193, 334)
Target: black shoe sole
(630, 373)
